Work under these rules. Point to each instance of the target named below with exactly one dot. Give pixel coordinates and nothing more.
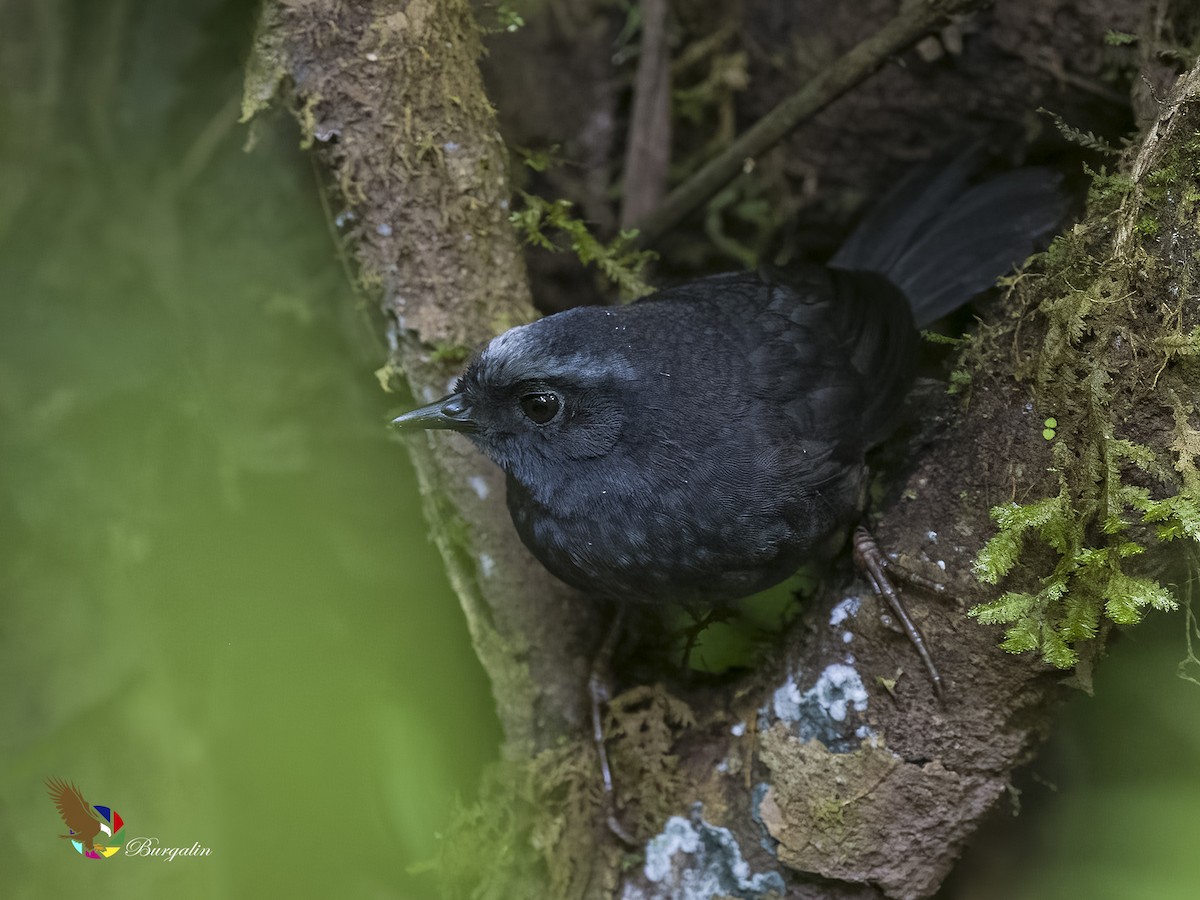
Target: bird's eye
(540, 407)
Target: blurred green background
(221, 614)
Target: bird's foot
(600, 692)
(873, 563)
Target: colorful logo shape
(96, 832)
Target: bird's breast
(683, 539)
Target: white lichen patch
(847, 609)
(838, 688)
(786, 701)
(821, 711)
(694, 860)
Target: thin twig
(915, 21)
(648, 151)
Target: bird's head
(540, 395)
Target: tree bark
(389, 95)
(834, 771)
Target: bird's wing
(856, 332)
(75, 811)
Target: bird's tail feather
(942, 241)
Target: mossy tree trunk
(389, 95)
(842, 774)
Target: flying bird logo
(97, 832)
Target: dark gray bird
(703, 443)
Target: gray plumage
(703, 443)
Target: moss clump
(1109, 335)
(533, 832)
(543, 222)
(645, 723)
(539, 830)
(1086, 581)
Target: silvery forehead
(567, 346)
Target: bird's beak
(451, 412)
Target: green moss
(538, 829)
(539, 160)
(1120, 38)
(1103, 341)
(1107, 192)
(455, 354)
(960, 381)
(532, 833)
(544, 223)
(1087, 581)
(1086, 139)
(501, 17)
(266, 67)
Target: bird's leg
(872, 562)
(600, 692)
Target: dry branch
(910, 25)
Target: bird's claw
(872, 562)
